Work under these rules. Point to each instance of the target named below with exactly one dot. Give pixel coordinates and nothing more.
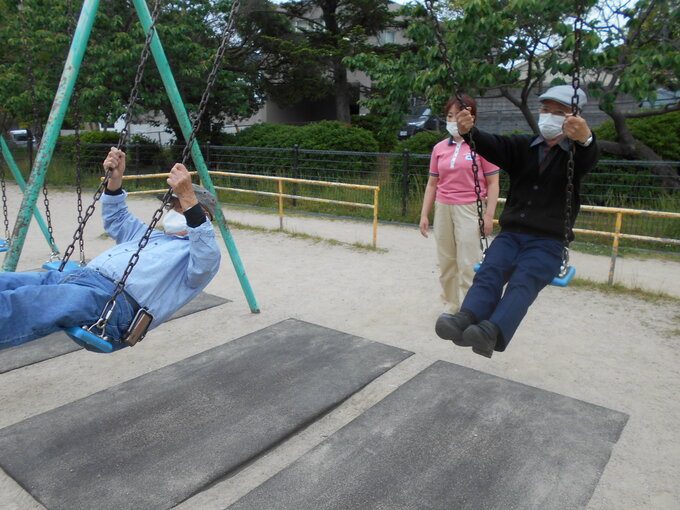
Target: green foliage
(421, 143)
(326, 32)
(333, 135)
(386, 139)
(190, 33)
(659, 132)
(316, 136)
(268, 134)
(95, 145)
(324, 135)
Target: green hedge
(421, 143)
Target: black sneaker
(451, 326)
(482, 337)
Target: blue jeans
(527, 264)
(35, 304)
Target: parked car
(420, 118)
(20, 138)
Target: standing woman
(451, 187)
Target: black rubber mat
(59, 343)
(453, 438)
(154, 441)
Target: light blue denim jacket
(171, 269)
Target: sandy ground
(607, 349)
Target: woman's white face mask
(550, 125)
(452, 128)
(174, 222)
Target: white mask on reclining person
(550, 125)
(174, 222)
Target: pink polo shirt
(452, 163)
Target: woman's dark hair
(469, 102)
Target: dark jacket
(535, 203)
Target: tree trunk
(341, 90)
(523, 107)
(631, 148)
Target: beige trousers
(456, 229)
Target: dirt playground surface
(609, 349)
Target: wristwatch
(588, 141)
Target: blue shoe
(451, 326)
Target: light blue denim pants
(35, 304)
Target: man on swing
(527, 253)
(172, 269)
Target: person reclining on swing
(172, 269)
(527, 254)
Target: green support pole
(185, 125)
(22, 185)
(54, 122)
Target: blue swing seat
(92, 342)
(56, 264)
(4, 245)
(561, 280)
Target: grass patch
(638, 253)
(621, 290)
(300, 235)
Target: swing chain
(211, 80)
(4, 200)
(138, 75)
(79, 171)
(78, 235)
(575, 82)
(48, 218)
(429, 5)
(483, 241)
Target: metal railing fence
(401, 177)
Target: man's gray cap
(204, 197)
(563, 94)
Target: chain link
(79, 170)
(36, 125)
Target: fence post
(136, 146)
(405, 180)
(615, 246)
(296, 170)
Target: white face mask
(452, 128)
(174, 222)
(550, 125)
